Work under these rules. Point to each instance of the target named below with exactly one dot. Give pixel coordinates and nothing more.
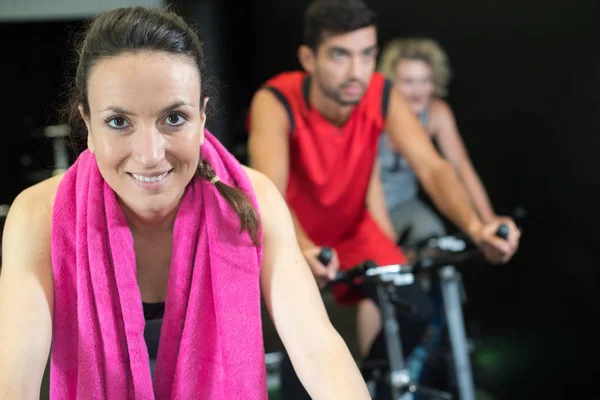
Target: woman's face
(146, 126)
(413, 78)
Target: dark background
(526, 96)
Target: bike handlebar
(325, 255)
(503, 231)
(371, 269)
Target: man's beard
(335, 94)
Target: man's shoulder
(379, 86)
(375, 101)
(378, 78)
(287, 79)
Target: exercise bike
(439, 255)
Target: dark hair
(136, 29)
(335, 17)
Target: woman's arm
(376, 203)
(318, 353)
(453, 149)
(26, 293)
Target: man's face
(343, 65)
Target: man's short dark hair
(335, 17)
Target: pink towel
(211, 341)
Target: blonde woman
(419, 69)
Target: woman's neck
(150, 222)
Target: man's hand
(496, 249)
(322, 273)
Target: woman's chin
(419, 108)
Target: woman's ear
(86, 120)
(203, 119)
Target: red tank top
(330, 166)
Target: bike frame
(387, 278)
(451, 292)
(399, 376)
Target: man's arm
(376, 203)
(268, 148)
(453, 149)
(438, 179)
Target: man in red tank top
(330, 166)
(315, 135)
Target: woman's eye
(118, 123)
(175, 120)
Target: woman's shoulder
(40, 196)
(439, 110)
(271, 203)
(440, 113)
(26, 239)
(275, 216)
(264, 189)
(33, 206)
(439, 106)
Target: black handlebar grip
(325, 255)
(340, 276)
(502, 231)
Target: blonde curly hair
(424, 49)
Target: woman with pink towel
(156, 210)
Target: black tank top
(153, 310)
(153, 314)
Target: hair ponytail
(246, 212)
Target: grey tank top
(399, 181)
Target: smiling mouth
(150, 179)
